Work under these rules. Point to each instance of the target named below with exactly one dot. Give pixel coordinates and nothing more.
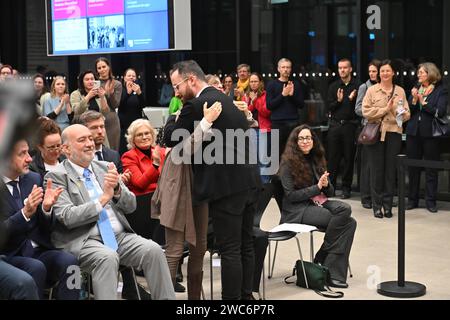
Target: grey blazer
(75, 212)
(296, 201)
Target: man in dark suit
(95, 122)
(229, 183)
(29, 223)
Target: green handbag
(314, 276)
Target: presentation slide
(150, 38)
(94, 26)
(139, 6)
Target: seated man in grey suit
(91, 222)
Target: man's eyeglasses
(175, 87)
(305, 139)
(53, 148)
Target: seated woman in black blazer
(306, 187)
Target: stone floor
(373, 258)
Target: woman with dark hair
(304, 177)
(131, 104)
(48, 144)
(113, 93)
(427, 99)
(40, 89)
(385, 103)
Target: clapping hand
(34, 199)
(50, 196)
(340, 95)
(352, 95)
(125, 177)
(156, 156)
(111, 179)
(323, 181)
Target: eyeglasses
(305, 139)
(53, 148)
(175, 87)
(143, 134)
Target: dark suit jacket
(437, 100)
(20, 231)
(296, 201)
(113, 156)
(216, 180)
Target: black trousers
(284, 128)
(428, 149)
(383, 170)
(335, 218)
(232, 218)
(341, 144)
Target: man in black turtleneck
(343, 124)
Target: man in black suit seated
(29, 223)
(95, 122)
(229, 183)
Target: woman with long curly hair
(304, 178)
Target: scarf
(242, 85)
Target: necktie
(99, 155)
(16, 194)
(27, 248)
(104, 225)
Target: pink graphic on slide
(69, 9)
(104, 7)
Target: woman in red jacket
(144, 160)
(256, 100)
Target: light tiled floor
(373, 257)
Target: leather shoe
(432, 209)
(367, 205)
(248, 297)
(131, 294)
(378, 214)
(388, 213)
(411, 206)
(178, 287)
(338, 284)
(345, 195)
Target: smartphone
(96, 84)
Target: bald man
(91, 222)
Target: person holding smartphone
(382, 103)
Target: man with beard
(284, 98)
(91, 222)
(230, 189)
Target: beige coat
(172, 199)
(375, 108)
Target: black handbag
(314, 276)
(370, 133)
(439, 126)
